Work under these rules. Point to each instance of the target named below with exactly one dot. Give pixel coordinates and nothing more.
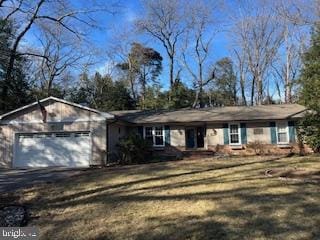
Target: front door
(200, 137)
(190, 143)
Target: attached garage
(70, 135)
(68, 149)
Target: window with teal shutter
(140, 131)
(273, 132)
(225, 127)
(243, 133)
(167, 135)
(292, 132)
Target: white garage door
(69, 149)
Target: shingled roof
(216, 114)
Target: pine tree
(16, 93)
(310, 92)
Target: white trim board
(14, 122)
(103, 114)
(239, 134)
(287, 132)
(154, 136)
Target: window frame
(287, 131)
(239, 134)
(154, 135)
(145, 135)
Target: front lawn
(232, 198)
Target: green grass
(228, 198)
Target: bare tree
(296, 20)
(9, 10)
(59, 55)
(196, 51)
(44, 13)
(260, 37)
(299, 12)
(119, 52)
(287, 68)
(165, 21)
(240, 61)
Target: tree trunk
(201, 98)
(235, 95)
(50, 82)
(253, 90)
(196, 99)
(13, 52)
(171, 71)
(259, 89)
(143, 83)
(243, 95)
(171, 66)
(130, 71)
(287, 90)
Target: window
(148, 135)
(154, 135)
(234, 133)
(63, 134)
(158, 136)
(258, 131)
(81, 134)
(282, 130)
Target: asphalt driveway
(14, 179)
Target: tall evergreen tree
(18, 89)
(102, 93)
(224, 87)
(310, 92)
(181, 96)
(143, 66)
(155, 98)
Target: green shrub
(311, 130)
(133, 149)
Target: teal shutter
(292, 132)
(273, 132)
(140, 131)
(243, 133)
(225, 127)
(167, 135)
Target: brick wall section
(268, 149)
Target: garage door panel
(62, 149)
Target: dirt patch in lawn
(295, 174)
(12, 212)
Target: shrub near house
(133, 149)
